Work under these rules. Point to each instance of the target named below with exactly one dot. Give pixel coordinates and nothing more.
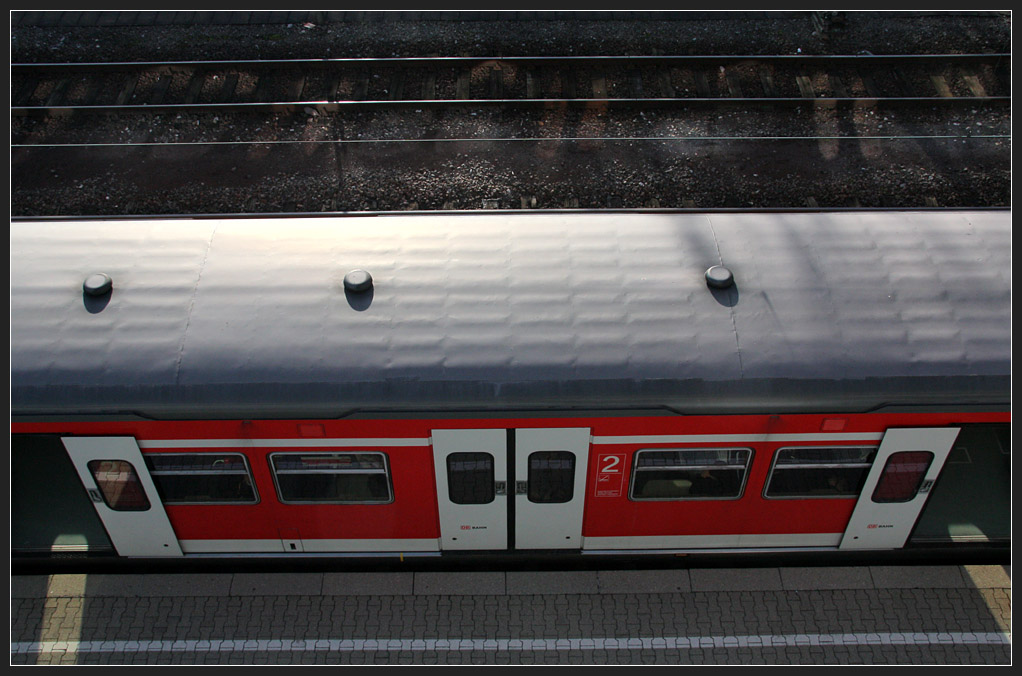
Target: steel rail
(32, 74)
(539, 60)
(337, 106)
(451, 212)
(517, 139)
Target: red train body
(592, 383)
(613, 520)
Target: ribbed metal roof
(250, 316)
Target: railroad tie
(56, 97)
(973, 83)
(462, 88)
(496, 82)
(805, 86)
(127, 90)
(635, 83)
(838, 87)
(429, 86)
(733, 86)
(161, 88)
(940, 84)
(666, 86)
(568, 85)
(228, 89)
(195, 86)
(531, 90)
(24, 94)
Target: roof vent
(98, 284)
(358, 281)
(719, 277)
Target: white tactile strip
(514, 644)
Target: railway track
(331, 85)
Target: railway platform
(932, 614)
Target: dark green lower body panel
(971, 501)
(50, 509)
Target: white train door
(550, 485)
(535, 501)
(471, 485)
(123, 494)
(897, 486)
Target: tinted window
(332, 477)
(819, 472)
(201, 477)
(696, 473)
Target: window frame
(830, 465)
(635, 469)
(385, 471)
(248, 471)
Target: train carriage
(594, 383)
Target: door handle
(500, 488)
(521, 488)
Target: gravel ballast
(511, 159)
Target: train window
(902, 475)
(690, 474)
(185, 478)
(833, 472)
(332, 477)
(119, 484)
(470, 478)
(551, 476)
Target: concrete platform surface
(811, 615)
(513, 582)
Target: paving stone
(916, 577)
(269, 584)
(552, 582)
(987, 577)
(94, 585)
(367, 584)
(29, 586)
(186, 584)
(735, 579)
(460, 583)
(643, 581)
(838, 577)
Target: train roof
(250, 317)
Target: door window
(119, 485)
(902, 475)
(551, 476)
(470, 478)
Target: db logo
(872, 525)
(470, 527)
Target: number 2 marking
(610, 463)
